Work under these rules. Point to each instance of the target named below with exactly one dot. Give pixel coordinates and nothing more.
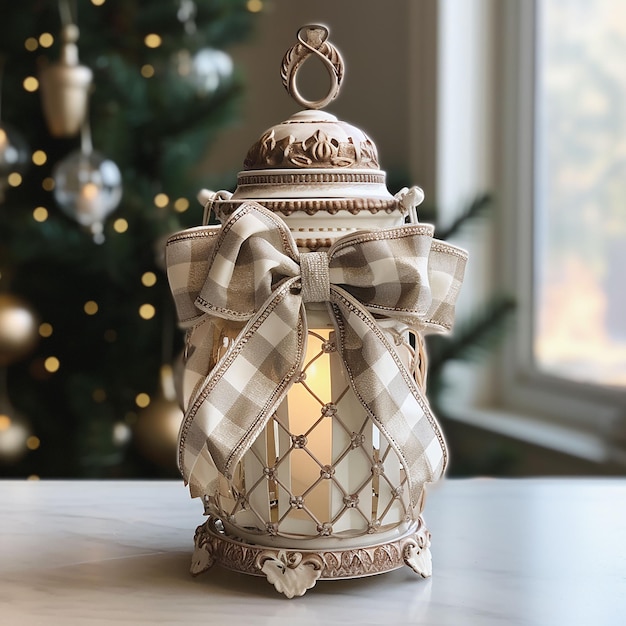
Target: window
(562, 182)
(534, 93)
(580, 191)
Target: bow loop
(253, 253)
(386, 271)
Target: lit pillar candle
(352, 446)
(311, 447)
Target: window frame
(488, 145)
(599, 413)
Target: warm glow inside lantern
(307, 432)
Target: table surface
(514, 552)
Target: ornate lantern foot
(202, 558)
(294, 571)
(291, 573)
(417, 555)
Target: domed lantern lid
(313, 169)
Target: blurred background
(510, 116)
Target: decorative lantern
(306, 431)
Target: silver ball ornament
(14, 154)
(87, 188)
(206, 70)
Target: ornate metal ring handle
(312, 41)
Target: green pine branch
(472, 338)
(476, 209)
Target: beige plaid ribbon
(251, 271)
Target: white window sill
(525, 428)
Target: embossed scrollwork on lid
(320, 149)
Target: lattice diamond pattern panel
(321, 468)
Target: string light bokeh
(100, 318)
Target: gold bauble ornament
(65, 88)
(18, 328)
(14, 433)
(156, 430)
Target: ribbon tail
(242, 391)
(389, 394)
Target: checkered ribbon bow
(251, 271)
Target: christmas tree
(86, 320)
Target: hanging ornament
(65, 85)
(13, 155)
(205, 70)
(18, 328)
(14, 151)
(186, 14)
(156, 430)
(87, 186)
(14, 432)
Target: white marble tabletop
(514, 552)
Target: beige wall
(378, 43)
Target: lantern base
(293, 572)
